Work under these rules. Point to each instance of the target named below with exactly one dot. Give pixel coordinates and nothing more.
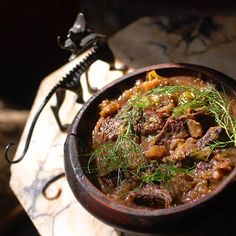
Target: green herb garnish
(206, 99)
(161, 172)
(125, 154)
(120, 155)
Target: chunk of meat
(176, 129)
(211, 135)
(152, 121)
(183, 150)
(194, 128)
(203, 170)
(202, 182)
(216, 169)
(196, 148)
(151, 196)
(168, 103)
(207, 175)
(106, 129)
(173, 129)
(229, 153)
(202, 166)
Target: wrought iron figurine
(79, 40)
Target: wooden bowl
(122, 217)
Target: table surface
(142, 43)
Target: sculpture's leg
(90, 88)
(60, 96)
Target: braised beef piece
(183, 150)
(152, 196)
(201, 189)
(228, 152)
(177, 129)
(106, 129)
(173, 129)
(196, 148)
(207, 175)
(152, 121)
(211, 135)
(222, 164)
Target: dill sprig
(173, 89)
(131, 112)
(220, 144)
(161, 172)
(195, 97)
(206, 99)
(118, 156)
(221, 111)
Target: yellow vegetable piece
(153, 75)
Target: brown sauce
(164, 142)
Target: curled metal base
(48, 184)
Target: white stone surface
(44, 159)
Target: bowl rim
(104, 200)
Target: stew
(164, 142)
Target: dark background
(29, 29)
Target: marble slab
(149, 40)
(44, 160)
(197, 39)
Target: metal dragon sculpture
(79, 40)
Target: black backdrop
(28, 32)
